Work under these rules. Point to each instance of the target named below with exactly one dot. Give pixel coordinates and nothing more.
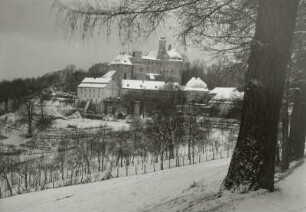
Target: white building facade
(96, 90)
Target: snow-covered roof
(98, 80)
(172, 53)
(195, 89)
(152, 55)
(217, 90)
(122, 59)
(90, 82)
(152, 76)
(89, 85)
(109, 74)
(143, 84)
(225, 94)
(196, 84)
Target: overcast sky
(32, 43)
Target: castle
(155, 75)
(162, 66)
(166, 64)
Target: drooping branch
(201, 23)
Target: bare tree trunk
(193, 149)
(103, 154)
(298, 126)
(26, 180)
(285, 131)
(8, 184)
(6, 104)
(127, 163)
(177, 156)
(189, 154)
(252, 164)
(99, 158)
(213, 149)
(41, 109)
(29, 123)
(162, 160)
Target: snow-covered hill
(189, 188)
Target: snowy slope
(289, 196)
(189, 188)
(121, 194)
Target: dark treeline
(219, 74)
(65, 80)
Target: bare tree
(30, 104)
(298, 120)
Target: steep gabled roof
(173, 54)
(90, 82)
(98, 80)
(152, 55)
(122, 59)
(109, 74)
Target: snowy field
(89, 123)
(121, 194)
(189, 188)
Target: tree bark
(285, 132)
(252, 164)
(298, 124)
(30, 123)
(162, 160)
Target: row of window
(90, 90)
(149, 93)
(161, 71)
(91, 96)
(157, 62)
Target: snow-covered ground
(189, 188)
(121, 194)
(89, 123)
(290, 195)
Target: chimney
(162, 48)
(137, 56)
